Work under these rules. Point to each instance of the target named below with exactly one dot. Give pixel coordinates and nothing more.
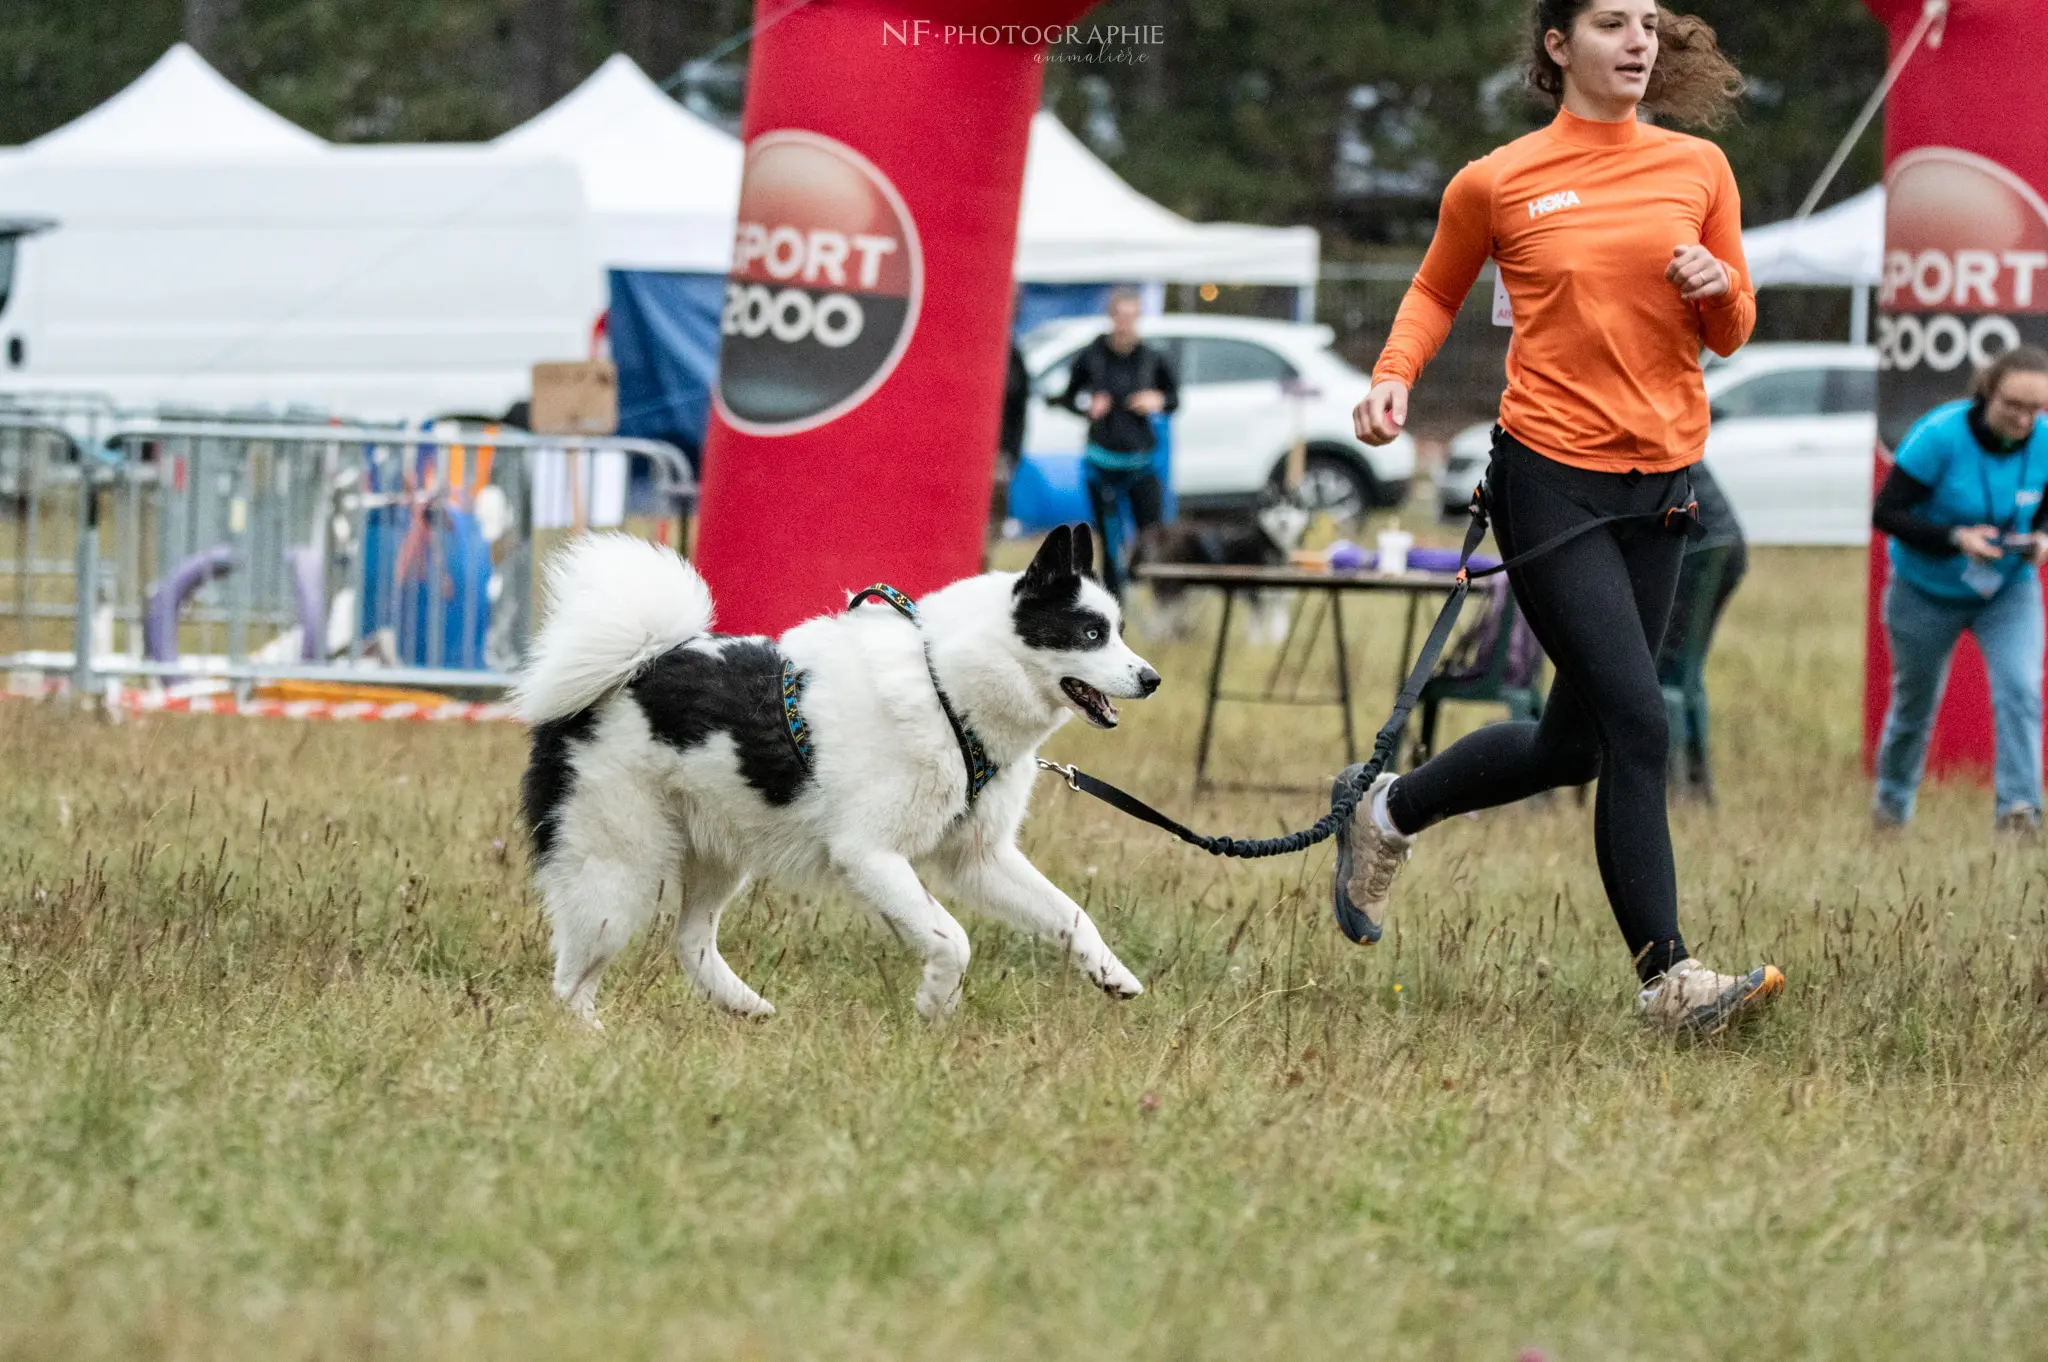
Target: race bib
(1503, 310)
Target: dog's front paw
(1118, 982)
(935, 1004)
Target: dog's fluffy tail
(614, 604)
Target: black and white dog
(877, 748)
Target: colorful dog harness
(792, 716)
(980, 770)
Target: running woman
(1620, 246)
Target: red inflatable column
(867, 312)
(1966, 270)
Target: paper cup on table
(1394, 546)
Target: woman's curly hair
(1692, 81)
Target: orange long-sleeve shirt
(1580, 219)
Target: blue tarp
(664, 335)
(1052, 489)
(1039, 303)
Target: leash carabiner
(1073, 777)
(1684, 520)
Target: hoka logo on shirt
(1550, 203)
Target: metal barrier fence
(265, 554)
(1359, 301)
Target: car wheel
(1333, 484)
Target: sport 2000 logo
(1965, 278)
(823, 294)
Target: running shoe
(2021, 821)
(1367, 861)
(1691, 1000)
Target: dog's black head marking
(1047, 600)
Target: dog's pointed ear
(1053, 561)
(1084, 550)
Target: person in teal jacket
(1968, 521)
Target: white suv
(1247, 386)
(1794, 428)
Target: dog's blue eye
(1094, 635)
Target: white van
(377, 283)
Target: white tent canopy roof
(179, 107)
(1842, 246)
(664, 189)
(663, 185)
(1082, 224)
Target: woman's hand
(1696, 274)
(1380, 417)
(1149, 402)
(1979, 543)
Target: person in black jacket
(1016, 396)
(1010, 435)
(1722, 531)
(1127, 383)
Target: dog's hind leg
(1006, 886)
(707, 886)
(602, 884)
(889, 886)
(596, 906)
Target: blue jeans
(1923, 631)
(1113, 492)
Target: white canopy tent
(210, 253)
(1841, 247)
(663, 185)
(1082, 224)
(180, 107)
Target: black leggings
(1599, 606)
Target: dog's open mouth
(1093, 704)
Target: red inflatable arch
(1966, 269)
(867, 312)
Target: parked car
(1247, 386)
(1464, 465)
(1793, 428)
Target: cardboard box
(578, 397)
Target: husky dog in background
(1267, 539)
(667, 755)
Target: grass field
(280, 1076)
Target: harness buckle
(1073, 777)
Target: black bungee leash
(1344, 802)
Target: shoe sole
(1359, 929)
(1733, 1008)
